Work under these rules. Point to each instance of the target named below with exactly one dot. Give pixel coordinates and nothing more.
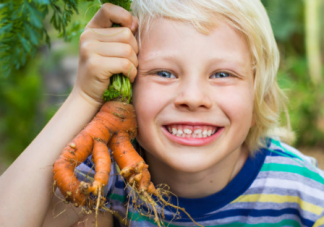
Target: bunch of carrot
(114, 126)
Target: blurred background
(30, 95)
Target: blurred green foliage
(22, 25)
(24, 106)
(306, 100)
(20, 114)
(286, 17)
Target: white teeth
(197, 131)
(204, 133)
(209, 132)
(179, 133)
(182, 131)
(174, 131)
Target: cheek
(146, 101)
(143, 99)
(140, 101)
(145, 104)
(238, 106)
(151, 97)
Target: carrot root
(115, 125)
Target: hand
(105, 51)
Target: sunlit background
(30, 96)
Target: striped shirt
(278, 186)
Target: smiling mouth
(189, 131)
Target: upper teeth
(190, 131)
(187, 131)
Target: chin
(188, 164)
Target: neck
(198, 184)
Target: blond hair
(250, 18)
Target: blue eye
(221, 75)
(165, 74)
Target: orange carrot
(132, 166)
(102, 161)
(114, 124)
(64, 166)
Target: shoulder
(290, 182)
(286, 159)
(287, 168)
(285, 149)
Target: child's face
(193, 83)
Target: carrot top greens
(119, 86)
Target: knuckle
(127, 34)
(85, 48)
(123, 14)
(127, 50)
(107, 6)
(125, 64)
(84, 36)
(126, 16)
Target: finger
(109, 14)
(134, 24)
(119, 50)
(104, 67)
(122, 35)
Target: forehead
(172, 39)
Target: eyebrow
(235, 64)
(157, 54)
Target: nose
(192, 96)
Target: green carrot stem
(119, 87)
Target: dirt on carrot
(115, 125)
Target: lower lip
(190, 141)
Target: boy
(207, 106)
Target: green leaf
(3, 5)
(22, 29)
(47, 38)
(24, 43)
(42, 2)
(33, 36)
(35, 18)
(6, 28)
